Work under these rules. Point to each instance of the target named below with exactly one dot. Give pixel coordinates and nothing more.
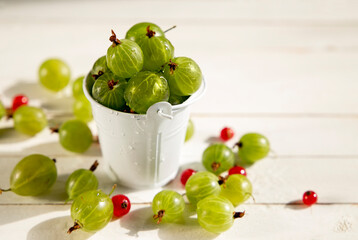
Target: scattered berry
(226, 134)
(186, 175)
(309, 198)
(237, 170)
(121, 205)
(18, 101)
(168, 206)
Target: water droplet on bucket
(162, 160)
(111, 112)
(136, 132)
(130, 147)
(117, 113)
(136, 163)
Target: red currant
(237, 170)
(309, 198)
(186, 175)
(18, 101)
(121, 205)
(226, 134)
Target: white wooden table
(286, 69)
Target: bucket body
(142, 150)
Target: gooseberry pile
(141, 70)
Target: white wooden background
(287, 69)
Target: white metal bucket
(143, 150)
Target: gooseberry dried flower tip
(215, 166)
(73, 228)
(239, 144)
(159, 216)
(172, 66)
(112, 83)
(94, 166)
(96, 76)
(114, 39)
(239, 214)
(150, 33)
(222, 180)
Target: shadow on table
(54, 148)
(296, 205)
(137, 221)
(10, 135)
(176, 184)
(34, 91)
(57, 193)
(213, 139)
(141, 220)
(188, 227)
(56, 229)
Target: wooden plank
(193, 11)
(260, 222)
(269, 70)
(274, 180)
(289, 136)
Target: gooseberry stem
(94, 166)
(252, 196)
(159, 216)
(239, 214)
(73, 228)
(114, 187)
(170, 29)
(140, 203)
(4, 190)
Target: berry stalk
(4, 190)
(170, 29)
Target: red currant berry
(18, 101)
(186, 175)
(309, 198)
(237, 170)
(121, 205)
(226, 134)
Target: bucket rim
(192, 99)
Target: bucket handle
(193, 98)
(164, 115)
